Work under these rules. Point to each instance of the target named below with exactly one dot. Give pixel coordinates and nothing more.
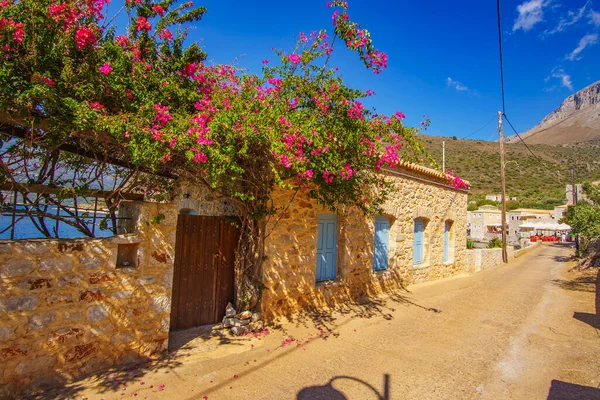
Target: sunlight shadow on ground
(560, 390)
(329, 392)
(579, 284)
(111, 380)
(587, 283)
(179, 339)
(364, 308)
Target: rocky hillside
(537, 183)
(576, 120)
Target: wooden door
(203, 281)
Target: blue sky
(443, 56)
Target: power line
(502, 89)
(532, 153)
(519, 136)
(486, 124)
(501, 62)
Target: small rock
(120, 338)
(33, 365)
(7, 333)
(168, 278)
(97, 313)
(18, 303)
(123, 294)
(239, 322)
(256, 326)
(164, 325)
(230, 311)
(59, 298)
(227, 322)
(255, 317)
(245, 315)
(240, 330)
(38, 322)
(34, 248)
(56, 264)
(72, 316)
(16, 267)
(69, 280)
(161, 304)
(145, 280)
(90, 262)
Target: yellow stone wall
(290, 267)
(69, 309)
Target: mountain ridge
(576, 120)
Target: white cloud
(530, 13)
(565, 79)
(588, 40)
(457, 85)
(571, 18)
(594, 18)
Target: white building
(498, 197)
(569, 193)
(485, 223)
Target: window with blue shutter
(447, 241)
(418, 247)
(327, 238)
(381, 247)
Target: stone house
(319, 260)
(484, 223)
(73, 306)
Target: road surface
(526, 330)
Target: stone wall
(200, 200)
(526, 250)
(478, 259)
(290, 267)
(71, 307)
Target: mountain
(576, 120)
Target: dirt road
(528, 330)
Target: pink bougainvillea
(39, 78)
(142, 24)
(94, 105)
(294, 58)
(165, 34)
(84, 37)
(158, 9)
(105, 69)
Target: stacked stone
(242, 323)
(69, 310)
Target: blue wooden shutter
(327, 247)
(381, 247)
(446, 241)
(418, 248)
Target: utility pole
(503, 179)
(574, 194)
(444, 156)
